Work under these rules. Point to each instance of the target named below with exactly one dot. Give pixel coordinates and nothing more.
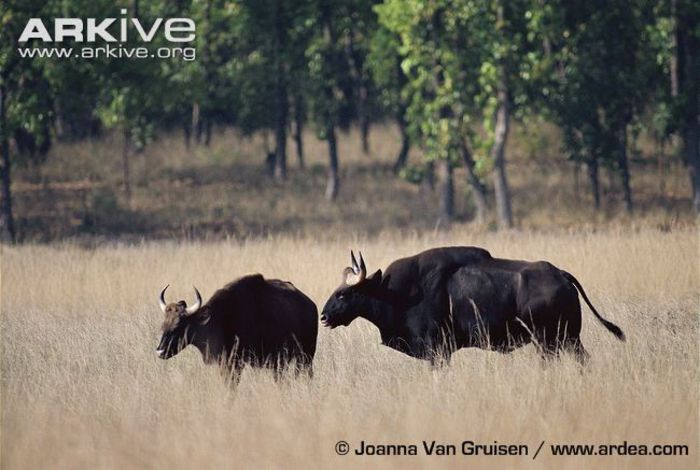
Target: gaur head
(354, 295)
(178, 324)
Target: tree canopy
(453, 74)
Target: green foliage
(453, 53)
(605, 64)
(29, 110)
(668, 36)
(384, 65)
(592, 67)
(414, 174)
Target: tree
(434, 110)
(25, 102)
(360, 26)
(133, 97)
(466, 61)
(270, 70)
(7, 222)
(605, 68)
(684, 100)
(300, 37)
(273, 16)
(326, 69)
(384, 65)
(210, 79)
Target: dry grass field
(83, 388)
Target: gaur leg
(575, 346)
(554, 316)
(297, 363)
(278, 365)
(554, 336)
(550, 340)
(306, 369)
(545, 341)
(440, 359)
(304, 366)
(549, 349)
(542, 328)
(231, 373)
(439, 354)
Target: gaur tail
(613, 328)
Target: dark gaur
(438, 301)
(255, 321)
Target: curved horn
(197, 304)
(161, 299)
(357, 273)
(363, 268)
(354, 265)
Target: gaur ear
(376, 278)
(385, 280)
(202, 316)
(183, 305)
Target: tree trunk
(594, 179)
(429, 176)
(195, 124)
(477, 187)
(280, 142)
(402, 158)
(266, 141)
(660, 164)
(330, 63)
(691, 142)
(199, 130)
(187, 134)
(126, 172)
(299, 129)
(281, 102)
(270, 165)
(362, 105)
(498, 151)
(7, 221)
(364, 129)
(577, 183)
(623, 166)
(357, 76)
(447, 192)
(333, 184)
(675, 43)
(689, 85)
(503, 207)
(207, 132)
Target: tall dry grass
(82, 387)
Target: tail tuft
(614, 329)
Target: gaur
(255, 321)
(438, 301)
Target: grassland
(82, 387)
